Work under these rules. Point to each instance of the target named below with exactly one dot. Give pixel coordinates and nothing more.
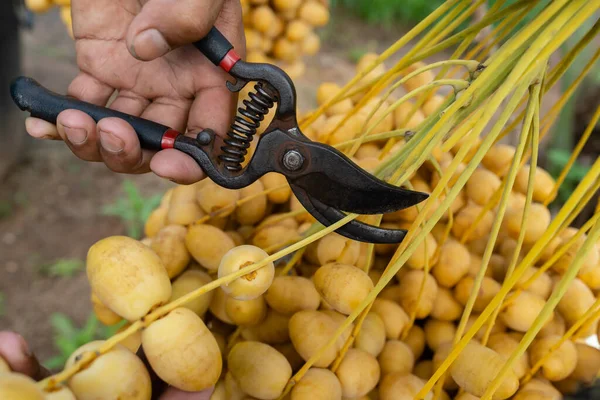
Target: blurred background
(53, 206)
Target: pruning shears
(324, 180)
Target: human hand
(15, 351)
(141, 49)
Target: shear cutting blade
(334, 180)
(354, 230)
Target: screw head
(204, 138)
(293, 160)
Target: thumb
(164, 25)
(15, 351)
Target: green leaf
(578, 171)
(149, 206)
(90, 328)
(62, 324)
(69, 338)
(63, 267)
(133, 209)
(66, 346)
(130, 190)
(558, 158)
(104, 332)
(54, 362)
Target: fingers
(212, 108)
(14, 350)
(169, 112)
(112, 141)
(173, 164)
(118, 145)
(176, 166)
(78, 131)
(84, 87)
(40, 129)
(76, 128)
(89, 89)
(164, 25)
(175, 394)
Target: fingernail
(111, 142)
(149, 44)
(76, 135)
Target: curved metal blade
(354, 230)
(333, 179)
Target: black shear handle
(42, 103)
(214, 46)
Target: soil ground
(51, 202)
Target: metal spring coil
(244, 128)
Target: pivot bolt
(204, 138)
(293, 160)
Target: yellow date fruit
(522, 311)
(400, 386)
(63, 393)
(410, 286)
(189, 281)
(475, 368)
(504, 345)
(127, 276)
(309, 331)
(489, 288)
(396, 356)
(394, 317)
(253, 210)
(214, 198)
(246, 312)
(561, 362)
(358, 373)
(415, 339)
(252, 284)
(16, 386)
(371, 337)
(182, 351)
(342, 286)
(445, 307)
(274, 329)
(278, 187)
(482, 185)
(169, 244)
(588, 363)
(438, 333)
(337, 248)
(104, 377)
(317, 384)
(289, 294)
(453, 263)
(259, 369)
(208, 244)
(155, 222)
